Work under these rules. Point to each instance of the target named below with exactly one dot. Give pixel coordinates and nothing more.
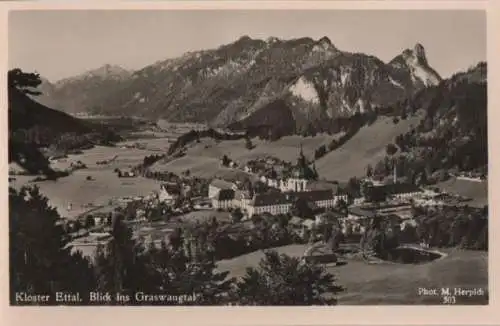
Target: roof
(399, 188)
(225, 194)
(171, 188)
(323, 185)
(221, 184)
(277, 198)
(361, 212)
(272, 198)
(314, 195)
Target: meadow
(371, 284)
(477, 191)
(105, 185)
(368, 146)
(203, 158)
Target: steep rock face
(312, 78)
(420, 70)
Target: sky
(62, 43)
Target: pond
(408, 255)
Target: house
(400, 191)
(126, 173)
(89, 243)
(169, 192)
(224, 199)
(273, 203)
(217, 185)
(281, 203)
(357, 213)
(321, 198)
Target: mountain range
(247, 82)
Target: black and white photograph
(247, 157)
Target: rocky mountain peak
(326, 43)
(250, 80)
(415, 56)
(416, 61)
(325, 40)
(106, 71)
(419, 52)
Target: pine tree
(284, 280)
(40, 260)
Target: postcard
(226, 156)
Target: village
(267, 190)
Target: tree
(24, 82)
(285, 280)
(225, 160)
(123, 268)
(320, 152)
(369, 171)
(40, 260)
(333, 145)
(174, 272)
(353, 187)
(89, 222)
(248, 143)
(391, 149)
(302, 208)
(236, 215)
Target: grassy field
(79, 192)
(125, 157)
(159, 144)
(105, 186)
(369, 284)
(478, 191)
(366, 147)
(202, 159)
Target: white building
(281, 203)
(169, 192)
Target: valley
(211, 161)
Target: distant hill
(25, 114)
(249, 82)
(81, 93)
(447, 133)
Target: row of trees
(462, 227)
(465, 227)
(41, 262)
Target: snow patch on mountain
(344, 76)
(361, 105)
(305, 90)
(395, 83)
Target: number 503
(449, 300)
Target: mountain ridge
(228, 84)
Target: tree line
(42, 262)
